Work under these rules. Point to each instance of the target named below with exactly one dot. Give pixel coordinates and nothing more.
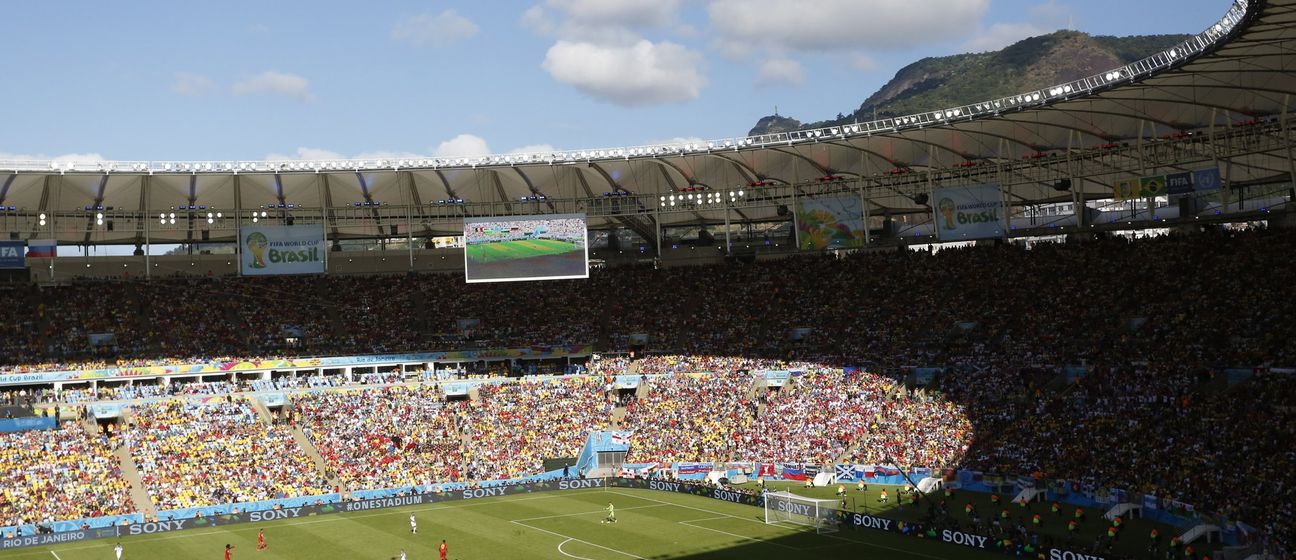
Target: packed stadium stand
(1142, 347)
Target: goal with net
(788, 508)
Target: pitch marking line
(864, 543)
(565, 553)
(331, 518)
(55, 555)
(571, 538)
(743, 537)
(586, 513)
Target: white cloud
(1000, 35)
(320, 154)
(606, 22)
(534, 149)
(462, 146)
(780, 72)
(275, 83)
(644, 73)
(306, 154)
(745, 26)
(619, 13)
(538, 21)
(678, 141)
(862, 62)
(1042, 19)
(89, 157)
(434, 30)
(189, 83)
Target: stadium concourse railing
(1230, 24)
(263, 365)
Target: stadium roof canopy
(1238, 70)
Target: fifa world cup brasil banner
(829, 223)
(974, 212)
(271, 250)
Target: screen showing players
(517, 248)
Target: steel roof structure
(1191, 105)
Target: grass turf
(1133, 542)
(515, 250)
(557, 525)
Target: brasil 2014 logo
(256, 243)
(947, 209)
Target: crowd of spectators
(823, 414)
(690, 417)
(521, 424)
(386, 437)
(55, 475)
(1151, 324)
(193, 454)
(892, 309)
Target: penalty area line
(571, 538)
(743, 537)
(721, 513)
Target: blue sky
(255, 80)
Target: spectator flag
(844, 472)
(626, 473)
(886, 471)
(620, 438)
(42, 248)
(793, 471)
(765, 470)
(693, 468)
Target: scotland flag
(844, 472)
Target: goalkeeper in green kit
(611, 517)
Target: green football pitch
(521, 249)
(562, 525)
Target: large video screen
(520, 248)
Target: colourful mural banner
(534, 352)
(830, 223)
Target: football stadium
(1056, 324)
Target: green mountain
(950, 81)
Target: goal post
(791, 509)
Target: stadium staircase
(262, 412)
(304, 442)
(129, 471)
(618, 415)
(321, 467)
